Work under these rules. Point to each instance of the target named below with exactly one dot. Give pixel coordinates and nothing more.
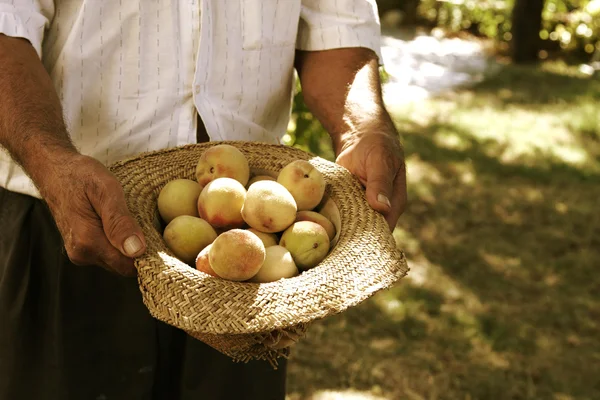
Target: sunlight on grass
(450, 140)
(516, 134)
(339, 395)
(501, 263)
(517, 124)
(501, 234)
(425, 176)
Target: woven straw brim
(364, 260)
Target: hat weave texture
(249, 320)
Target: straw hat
(249, 320)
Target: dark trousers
(69, 332)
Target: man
(85, 83)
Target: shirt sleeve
(26, 19)
(331, 24)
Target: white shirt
(133, 74)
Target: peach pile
(244, 228)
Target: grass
(502, 235)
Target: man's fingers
(124, 234)
(90, 247)
(121, 230)
(114, 261)
(381, 173)
(399, 199)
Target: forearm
(32, 128)
(342, 89)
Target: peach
(305, 183)
(268, 239)
(202, 263)
(329, 210)
(220, 203)
(186, 236)
(319, 219)
(178, 197)
(236, 255)
(260, 178)
(308, 243)
(269, 207)
(278, 264)
(222, 161)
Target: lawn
(503, 239)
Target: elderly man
(87, 82)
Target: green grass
(503, 239)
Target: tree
(409, 9)
(526, 26)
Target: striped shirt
(132, 75)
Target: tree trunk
(526, 26)
(411, 16)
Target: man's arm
(31, 122)
(85, 199)
(342, 89)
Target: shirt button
(197, 89)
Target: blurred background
(498, 105)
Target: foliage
(306, 132)
(488, 18)
(574, 25)
(571, 25)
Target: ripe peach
(278, 264)
(319, 219)
(222, 161)
(269, 207)
(202, 263)
(329, 210)
(220, 203)
(305, 183)
(268, 239)
(236, 255)
(260, 178)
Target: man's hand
(85, 199)
(377, 160)
(342, 89)
(89, 208)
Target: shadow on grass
(503, 299)
(485, 154)
(546, 84)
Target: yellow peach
(220, 203)
(269, 207)
(268, 239)
(260, 178)
(308, 243)
(305, 182)
(178, 197)
(186, 236)
(319, 219)
(222, 161)
(278, 264)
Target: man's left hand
(377, 159)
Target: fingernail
(132, 245)
(383, 199)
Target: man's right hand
(89, 208)
(86, 200)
